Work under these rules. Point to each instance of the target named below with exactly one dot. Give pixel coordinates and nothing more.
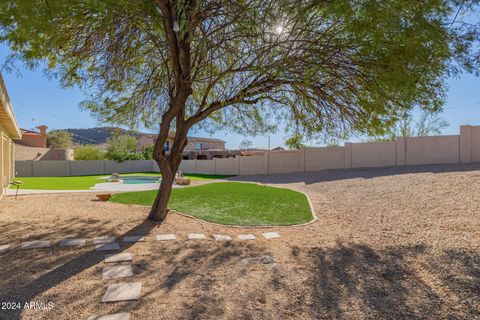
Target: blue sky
(38, 100)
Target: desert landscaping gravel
(390, 243)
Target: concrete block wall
(451, 149)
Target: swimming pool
(139, 179)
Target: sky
(38, 100)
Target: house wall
(35, 140)
(453, 149)
(7, 169)
(30, 153)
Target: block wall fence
(451, 149)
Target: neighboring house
(197, 148)
(33, 146)
(9, 130)
(33, 138)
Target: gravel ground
(389, 244)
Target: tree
(245, 144)
(295, 142)
(426, 124)
(88, 152)
(59, 139)
(122, 147)
(331, 68)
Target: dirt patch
(389, 244)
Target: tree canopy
(323, 68)
(59, 139)
(327, 67)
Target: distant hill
(97, 135)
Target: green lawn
(86, 182)
(232, 203)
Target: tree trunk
(159, 209)
(168, 168)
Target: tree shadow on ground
(401, 282)
(20, 266)
(343, 174)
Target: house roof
(7, 117)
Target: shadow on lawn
(66, 264)
(343, 174)
(404, 282)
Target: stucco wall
(30, 153)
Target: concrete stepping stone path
(35, 244)
(196, 236)
(118, 257)
(120, 271)
(133, 238)
(113, 316)
(246, 237)
(73, 242)
(100, 240)
(271, 235)
(165, 237)
(4, 248)
(107, 247)
(122, 292)
(222, 237)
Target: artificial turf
(232, 203)
(86, 182)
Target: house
(34, 139)
(33, 146)
(197, 148)
(9, 130)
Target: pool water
(139, 179)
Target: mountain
(97, 135)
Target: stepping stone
(122, 292)
(113, 316)
(73, 242)
(99, 240)
(107, 247)
(118, 257)
(164, 237)
(222, 237)
(35, 244)
(246, 237)
(271, 235)
(4, 248)
(196, 236)
(120, 271)
(133, 238)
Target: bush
(88, 152)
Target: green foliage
(88, 152)
(295, 142)
(332, 68)
(59, 139)
(232, 203)
(121, 148)
(147, 152)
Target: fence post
(348, 155)
(400, 152)
(465, 145)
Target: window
(166, 146)
(198, 146)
